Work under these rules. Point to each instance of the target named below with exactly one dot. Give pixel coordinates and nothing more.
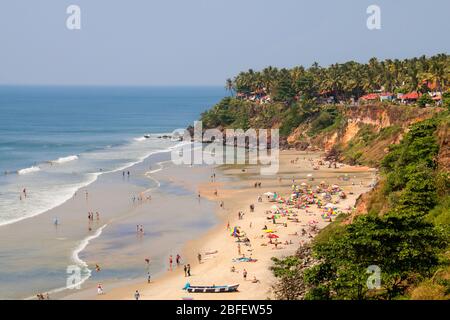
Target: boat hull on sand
(212, 289)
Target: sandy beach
(236, 191)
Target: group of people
(139, 229)
(41, 296)
(91, 216)
(177, 260)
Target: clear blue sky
(203, 42)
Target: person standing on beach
(100, 289)
(170, 262)
(137, 295)
(244, 274)
(199, 257)
(185, 271)
(149, 277)
(188, 270)
(178, 258)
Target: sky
(204, 42)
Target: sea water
(55, 140)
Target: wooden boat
(211, 289)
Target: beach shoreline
(218, 248)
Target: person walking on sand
(177, 259)
(188, 270)
(244, 274)
(149, 277)
(100, 289)
(199, 257)
(137, 295)
(185, 271)
(170, 262)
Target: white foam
(81, 263)
(58, 198)
(85, 271)
(140, 139)
(65, 159)
(28, 170)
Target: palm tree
(230, 86)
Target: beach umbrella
(272, 236)
(269, 194)
(268, 231)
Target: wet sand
(35, 254)
(235, 187)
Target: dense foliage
(405, 243)
(346, 80)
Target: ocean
(56, 140)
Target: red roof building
(370, 96)
(411, 96)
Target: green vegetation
(405, 233)
(425, 100)
(346, 80)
